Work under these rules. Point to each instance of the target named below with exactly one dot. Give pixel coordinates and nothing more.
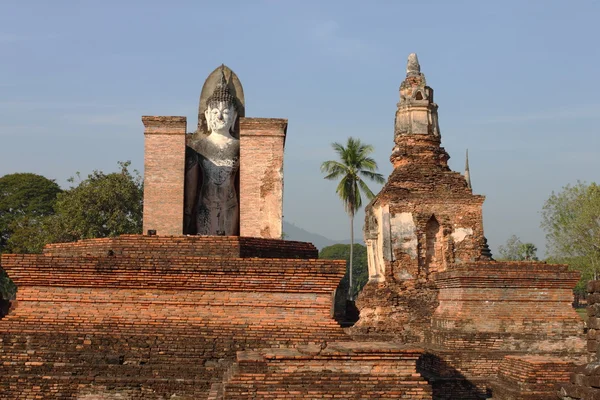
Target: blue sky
(516, 83)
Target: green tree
(361, 268)
(515, 250)
(353, 165)
(24, 198)
(361, 272)
(571, 220)
(29, 235)
(102, 205)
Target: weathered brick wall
(472, 316)
(507, 298)
(395, 311)
(261, 176)
(164, 169)
(584, 382)
(145, 326)
(348, 370)
(530, 377)
(179, 246)
(505, 308)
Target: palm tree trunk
(350, 291)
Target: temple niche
(225, 178)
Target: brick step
(188, 273)
(339, 370)
(27, 387)
(530, 377)
(268, 337)
(169, 246)
(187, 370)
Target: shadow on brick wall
(447, 382)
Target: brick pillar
(164, 170)
(261, 176)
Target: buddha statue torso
(218, 210)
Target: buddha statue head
(221, 110)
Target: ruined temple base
(530, 377)
(508, 327)
(157, 317)
(393, 311)
(489, 329)
(345, 370)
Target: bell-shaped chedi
(425, 219)
(426, 216)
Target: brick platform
(162, 323)
(501, 326)
(348, 370)
(195, 246)
(530, 377)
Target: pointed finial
(467, 172)
(412, 66)
(223, 81)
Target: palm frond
(374, 176)
(354, 162)
(366, 189)
(333, 169)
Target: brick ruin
(584, 381)
(486, 327)
(174, 316)
(152, 317)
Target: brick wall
(164, 169)
(505, 308)
(531, 377)
(348, 370)
(261, 176)
(153, 326)
(197, 246)
(584, 382)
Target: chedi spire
(467, 172)
(417, 112)
(413, 68)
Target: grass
(582, 313)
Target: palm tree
(354, 163)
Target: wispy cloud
(330, 36)
(582, 111)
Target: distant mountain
(293, 232)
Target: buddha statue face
(220, 117)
